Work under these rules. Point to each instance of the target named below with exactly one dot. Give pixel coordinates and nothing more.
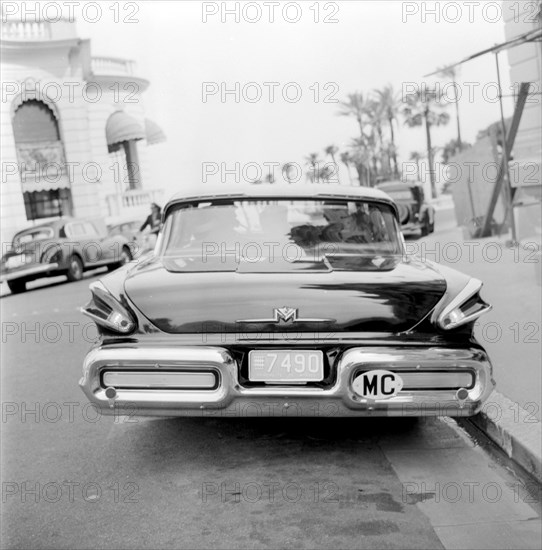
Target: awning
(35, 184)
(121, 127)
(154, 132)
(42, 166)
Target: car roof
(398, 184)
(305, 191)
(54, 224)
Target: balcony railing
(133, 202)
(26, 30)
(113, 66)
(141, 198)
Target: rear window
(228, 233)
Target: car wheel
(17, 286)
(75, 269)
(404, 212)
(124, 258)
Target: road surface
(74, 479)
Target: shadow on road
(44, 284)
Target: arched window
(42, 167)
(35, 122)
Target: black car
(297, 300)
(415, 214)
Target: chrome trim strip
(156, 380)
(286, 314)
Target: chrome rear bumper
(229, 398)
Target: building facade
(75, 139)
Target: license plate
(285, 366)
(378, 384)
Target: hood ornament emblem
(284, 315)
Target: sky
(371, 44)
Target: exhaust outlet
(111, 394)
(461, 395)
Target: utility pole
(507, 185)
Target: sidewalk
(510, 333)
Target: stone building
(75, 138)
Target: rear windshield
(224, 235)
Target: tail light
(105, 310)
(466, 307)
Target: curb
(515, 430)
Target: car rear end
(34, 253)
(409, 200)
(357, 330)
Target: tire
(424, 230)
(125, 257)
(404, 212)
(75, 269)
(427, 226)
(16, 286)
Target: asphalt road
(74, 479)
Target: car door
(101, 248)
(76, 240)
(86, 242)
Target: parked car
(138, 242)
(67, 246)
(285, 300)
(415, 214)
(128, 229)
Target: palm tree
(312, 161)
(360, 156)
(422, 107)
(346, 159)
(416, 157)
(375, 116)
(389, 103)
(325, 173)
(452, 148)
(355, 106)
(332, 150)
(365, 111)
(451, 73)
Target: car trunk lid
(317, 296)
